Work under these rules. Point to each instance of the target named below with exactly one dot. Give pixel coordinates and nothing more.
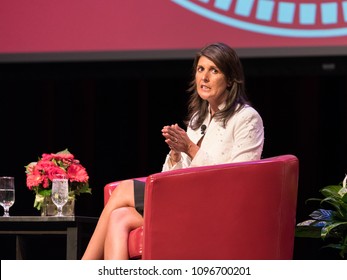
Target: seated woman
(222, 127)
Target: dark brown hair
(229, 63)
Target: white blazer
(241, 140)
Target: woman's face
(211, 83)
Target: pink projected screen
(166, 26)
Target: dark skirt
(139, 195)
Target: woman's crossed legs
(118, 218)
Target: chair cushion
(135, 243)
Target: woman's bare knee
(123, 195)
(126, 218)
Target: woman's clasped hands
(178, 141)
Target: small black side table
(77, 229)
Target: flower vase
(48, 208)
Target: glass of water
(6, 194)
(60, 193)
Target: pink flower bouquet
(40, 175)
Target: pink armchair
(238, 211)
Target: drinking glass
(60, 193)
(6, 194)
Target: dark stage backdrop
(110, 115)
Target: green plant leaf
(83, 189)
(331, 191)
(66, 151)
(327, 229)
(308, 231)
(335, 203)
(45, 192)
(328, 224)
(312, 199)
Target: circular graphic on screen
(287, 18)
